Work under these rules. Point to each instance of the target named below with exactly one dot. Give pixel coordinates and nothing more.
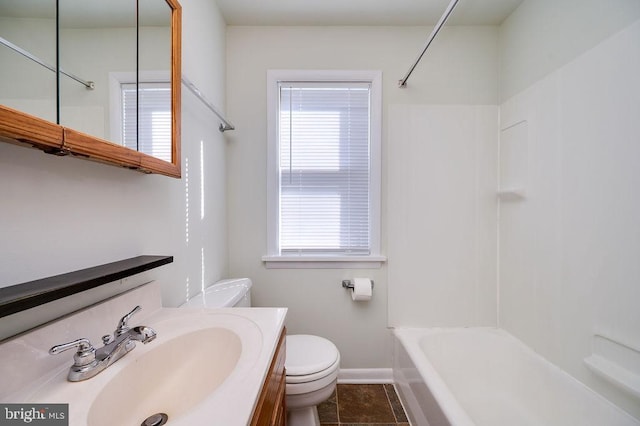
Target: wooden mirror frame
(24, 129)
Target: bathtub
(486, 377)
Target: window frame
(274, 259)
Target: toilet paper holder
(349, 284)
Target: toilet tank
(235, 292)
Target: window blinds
(153, 135)
(324, 168)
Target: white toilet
(235, 292)
(311, 363)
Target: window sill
(320, 262)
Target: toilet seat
(314, 376)
(312, 363)
(308, 354)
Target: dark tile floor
(360, 405)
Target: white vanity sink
(172, 378)
(204, 367)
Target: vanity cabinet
(271, 409)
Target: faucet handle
(85, 354)
(123, 324)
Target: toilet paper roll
(362, 289)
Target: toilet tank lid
(224, 293)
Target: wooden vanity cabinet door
(271, 408)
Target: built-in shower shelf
(615, 374)
(511, 194)
(616, 362)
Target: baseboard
(365, 375)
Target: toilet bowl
(311, 362)
(311, 365)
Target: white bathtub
(486, 377)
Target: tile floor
(360, 405)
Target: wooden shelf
(28, 295)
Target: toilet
(229, 293)
(311, 366)
(311, 363)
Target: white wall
(461, 69)
(569, 250)
(62, 214)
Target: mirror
(25, 84)
(119, 81)
(96, 41)
(154, 79)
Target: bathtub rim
(448, 403)
(410, 339)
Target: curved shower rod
(403, 82)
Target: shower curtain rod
(225, 125)
(87, 84)
(403, 82)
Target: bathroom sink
(206, 366)
(170, 378)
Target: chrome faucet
(89, 361)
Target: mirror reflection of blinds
(154, 119)
(324, 165)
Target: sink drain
(155, 420)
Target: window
(153, 136)
(147, 128)
(324, 168)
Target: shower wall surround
(442, 174)
(569, 249)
